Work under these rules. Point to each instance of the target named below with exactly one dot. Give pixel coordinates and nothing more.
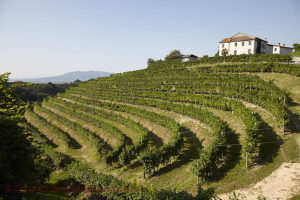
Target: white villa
(246, 44)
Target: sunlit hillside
(222, 123)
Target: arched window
(235, 52)
(249, 51)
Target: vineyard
(174, 125)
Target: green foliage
(296, 197)
(175, 84)
(95, 117)
(11, 106)
(84, 133)
(224, 52)
(175, 54)
(150, 60)
(63, 136)
(112, 188)
(152, 160)
(202, 167)
(181, 88)
(247, 58)
(38, 91)
(291, 69)
(44, 145)
(20, 163)
(297, 47)
(112, 156)
(160, 156)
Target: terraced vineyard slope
(221, 126)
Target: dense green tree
(20, 163)
(150, 60)
(297, 47)
(224, 52)
(77, 81)
(175, 54)
(38, 91)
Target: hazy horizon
(48, 38)
(14, 78)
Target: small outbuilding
(188, 57)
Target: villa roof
(239, 37)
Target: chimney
(279, 44)
(265, 39)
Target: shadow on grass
(68, 160)
(50, 142)
(294, 124)
(292, 102)
(154, 142)
(189, 153)
(74, 144)
(205, 194)
(267, 151)
(157, 140)
(233, 155)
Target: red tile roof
(225, 40)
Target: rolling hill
(219, 123)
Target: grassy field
(297, 197)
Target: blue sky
(43, 38)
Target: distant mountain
(67, 78)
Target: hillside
(68, 77)
(39, 91)
(225, 123)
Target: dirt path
(282, 184)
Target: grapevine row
(41, 143)
(154, 159)
(91, 115)
(60, 134)
(83, 133)
(250, 143)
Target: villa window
(235, 44)
(243, 43)
(223, 45)
(235, 52)
(249, 43)
(249, 51)
(275, 49)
